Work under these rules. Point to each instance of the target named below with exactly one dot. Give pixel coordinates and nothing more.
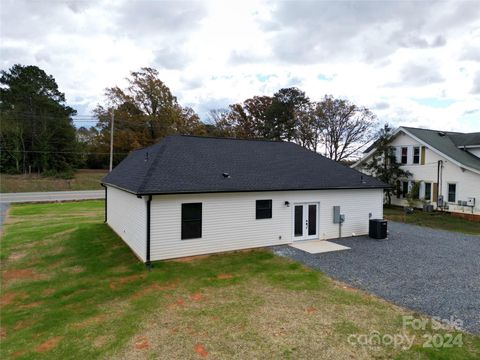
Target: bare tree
(307, 132)
(345, 127)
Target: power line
(63, 152)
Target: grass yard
(84, 180)
(437, 220)
(71, 289)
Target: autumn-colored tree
(145, 112)
(266, 117)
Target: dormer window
(416, 155)
(404, 158)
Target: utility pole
(111, 139)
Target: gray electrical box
(342, 218)
(336, 214)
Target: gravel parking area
(431, 271)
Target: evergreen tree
(37, 132)
(383, 163)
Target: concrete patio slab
(318, 246)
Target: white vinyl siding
(126, 215)
(229, 221)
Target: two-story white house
(446, 164)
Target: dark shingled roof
(190, 164)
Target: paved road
(3, 214)
(432, 271)
(51, 196)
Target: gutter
(148, 263)
(106, 194)
(386, 186)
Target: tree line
(37, 132)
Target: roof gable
(444, 142)
(189, 164)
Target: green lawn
(439, 220)
(71, 289)
(84, 180)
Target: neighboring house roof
(190, 164)
(467, 140)
(444, 142)
(448, 143)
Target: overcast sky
(413, 63)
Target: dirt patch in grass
(125, 280)
(22, 324)
(20, 274)
(17, 354)
(100, 341)
(8, 298)
(224, 276)
(18, 255)
(48, 292)
(3, 333)
(142, 343)
(152, 289)
(201, 350)
(196, 297)
(76, 269)
(49, 344)
(188, 259)
(30, 305)
(94, 320)
(55, 265)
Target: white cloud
(215, 52)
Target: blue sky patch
(435, 102)
(264, 77)
(324, 77)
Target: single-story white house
(190, 195)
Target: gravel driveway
(435, 272)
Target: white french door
(305, 221)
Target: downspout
(439, 184)
(105, 220)
(148, 263)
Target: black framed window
(404, 188)
(191, 221)
(263, 209)
(404, 158)
(428, 191)
(416, 155)
(452, 192)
